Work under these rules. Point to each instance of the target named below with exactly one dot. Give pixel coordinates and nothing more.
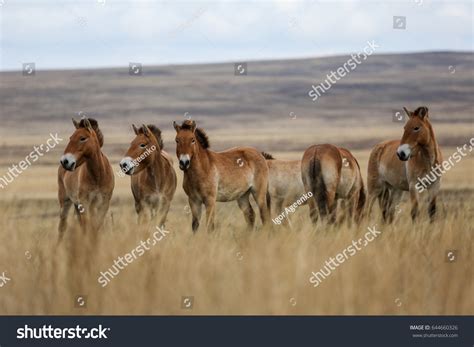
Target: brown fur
(153, 181)
(388, 176)
(286, 185)
(89, 187)
(332, 173)
(211, 176)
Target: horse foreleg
(163, 211)
(394, 201)
(414, 203)
(246, 208)
(432, 209)
(65, 207)
(210, 204)
(196, 208)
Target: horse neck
(96, 166)
(432, 149)
(201, 160)
(156, 165)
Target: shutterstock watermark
(49, 332)
(292, 208)
(330, 265)
(440, 169)
(123, 261)
(350, 65)
(16, 170)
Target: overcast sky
(103, 33)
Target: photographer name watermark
(292, 208)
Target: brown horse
(220, 176)
(85, 177)
(332, 173)
(395, 166)
(153, 177)
(285, 184)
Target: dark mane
(200, 134)
(156, 131)
(95, 126)
(268, 156)
(422, 110)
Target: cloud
(63, 34)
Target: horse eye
(193, 141)
(143, 145)
(83, 139)
(177, 141)
(416, 128)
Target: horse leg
(360, 203)
(280, 207)
(432, 209)
(163, 210)
(246, 208)
(141, 209)
(83, 215)
(385, 201)
(65, 207)
(210, 204)
(396, 196)
(196, 209)
(313, 210)
(372, 199)
(414, 203)
(332, 206)
(260, 196)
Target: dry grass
(232, 271)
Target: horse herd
(329, 173)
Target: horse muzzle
(184, 161)
(127, 166)
(68, 162)
(404, 152)
(184, 164)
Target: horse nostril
(65, 162)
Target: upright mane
(421, 110)
(156, 131)
(95, 126)
(200, 134)
(268, 156)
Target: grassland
(232, 271)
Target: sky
(106, 33)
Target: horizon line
(222, 62)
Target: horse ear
(409, 113)
(76, 124)
(135, 130)
(176, 126)
(146, 131)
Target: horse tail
(269, 200)
(318, 187)
(362, 196)
(361, 202)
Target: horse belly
(394, 175)
(232, 189)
